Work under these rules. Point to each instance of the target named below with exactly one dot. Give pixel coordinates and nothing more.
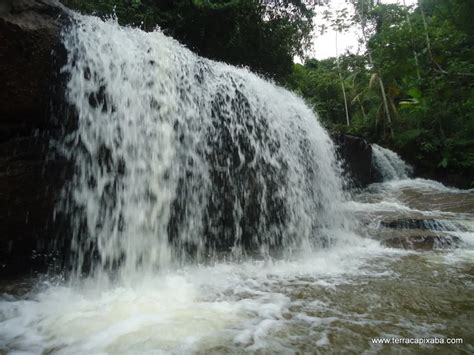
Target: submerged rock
(424, 224)
(30, 177)
(419, 233)
(423, 242)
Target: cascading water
(389, 164)
(400, 217)
(177, 155)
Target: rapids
(208, 216)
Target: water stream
(208, 216)
(389, 164)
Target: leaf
(409, 103)
(443, 163)
(415, 93)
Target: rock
(419, 233)
(31, 177)
(423, 223)
(423, 242)
(412, 230)
(356, 156)
(29, 32)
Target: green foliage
(428, 76)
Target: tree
(425, 60)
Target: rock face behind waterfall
(30, 178)
(356, 156)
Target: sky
(325, 45)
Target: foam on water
(420, 184)
(192, 309)
(268, 305)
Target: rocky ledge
(419, 233)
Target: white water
(236, 306)
(389, 164)
(159, 139)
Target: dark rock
(412, 231)
(356, 156)
(461, 179)
(31, 177)
(424, 224)
(29, 33)
(423, 242)
(419, 233)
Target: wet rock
(356, 156)
(423, 242)
(239, 177)
(423, 224)
(31, 177)
(419, 233)
(29, 33)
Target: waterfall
(181, 158)
(389, 164)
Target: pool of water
(335, 300)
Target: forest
(411, 90)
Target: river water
(270, 254)
(332, 301)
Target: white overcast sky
(325, 45)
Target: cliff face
(31, 177)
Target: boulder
(419, 233)
(355, 154)
(31, 176)
(423, 242)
